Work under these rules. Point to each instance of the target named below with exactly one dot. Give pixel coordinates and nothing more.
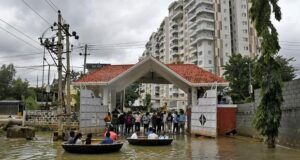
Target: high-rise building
(201, 32)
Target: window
(244, 15)
(226, 35)
(226, 45)
(200, 62)
(227, 54)
(246, 48)
(245, 39)
(225, 19)
(225, 27)
(209, 52)
(209, 61)
(244, 22)
(245, 31)
(209, 43)
(225, 10)
(200, 53)
(243, 6)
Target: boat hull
(92, 148)
(150, 142)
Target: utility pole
(68, 76)
(85, 54)
(59, 69)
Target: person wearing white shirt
(153, 135)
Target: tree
(147, 101)
(19, 88)
(132, 93)
(287, 70)
(237, 74)
(267, 69)
(7, 74)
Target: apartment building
(201, 32)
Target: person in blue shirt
(181, 120)
(107, 139)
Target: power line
(20, 55)
(19, 38)
(51, 6)
(35, 12)
(19, 31)
(54, 5)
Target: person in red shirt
(113, 135)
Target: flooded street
(184, 147)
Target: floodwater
(183, 147)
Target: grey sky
(102, 23)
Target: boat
(149, 142)
(92, 148)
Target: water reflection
(184, 147)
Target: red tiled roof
(194, 74)
(105, 74)
(190, 72)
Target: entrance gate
(204, 119)
(92, 112)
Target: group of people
(109, 137)
(127, 123)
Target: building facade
(201, 32)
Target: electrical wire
(35, 12)
(20, 38)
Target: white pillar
(105, 96)
(113, 102)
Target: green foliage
(147, 100)
(31, 104)
(132, 93)
(7, 74)
(19, 88)
(287, 70)
(237, 73)
(267, 69)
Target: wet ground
(183, 147)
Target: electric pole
(85, 54)
(59, 69)
(66, 26)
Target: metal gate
(204, 115)
(92, 112)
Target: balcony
(202, 27)
(201, 37)
(177, 14)
(189, 3)
(193, 15)
(199, 4)
(193, 50)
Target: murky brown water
(184, 147)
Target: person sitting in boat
(88, 139)
(77, 139)
(134, 136)
(153, 135)
(107, 139)
(113, 135)
(150, 130)
(163, 136)
(71, 137)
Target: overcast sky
(116, 30)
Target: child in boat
(88, 139)
(107, 139)
(113, 135)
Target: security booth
(99, 92)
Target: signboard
(204, 115)
(92, 112)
